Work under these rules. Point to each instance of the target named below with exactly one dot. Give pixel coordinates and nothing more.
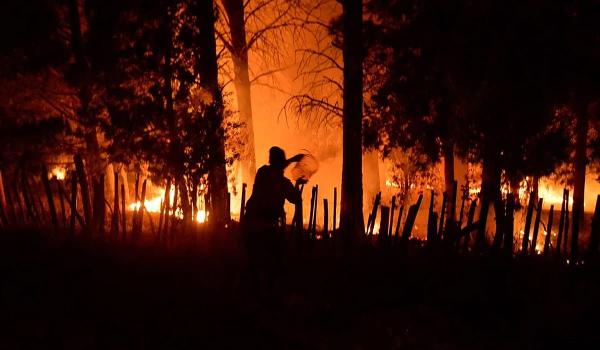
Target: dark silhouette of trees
(351, 211)
(164, 100)
(208, 69)
(475, 77)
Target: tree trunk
(490, 191)
(239, 53)
(208, 69)
(448, 150)
(351, 211)
(581, 130)
(84, 93)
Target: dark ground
(75, 294)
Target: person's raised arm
(298, 157)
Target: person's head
(277, 157)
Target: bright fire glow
(58, 172)
(153, 206)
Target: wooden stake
(431, 224)
(391, 224)
(174, 215)
(399, 222)
(298, 212)
(160, 219)
(465, 193)
(49, 197)
(114, 225)
(314, 224)
(311, 213)
(373, 216)
(549, 230)
(10, 205)
(410, 219)
(28, 200)
(384, 223)
(243, 202)
(73, 203)
(442, 216)
(166, 216)
(525, 242)
(536, 226)
(140, 221)
(17, 198)
(334, 223)
(123, 214)
(3, 216)
(228, 216)
(325, 219)
(595, 231)
(62, 203)
(561, 222)
(470, 218)
(85, 194)
(451, 216)
(101, 206)
(566, 233)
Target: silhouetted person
(265, 213)
(271, 189)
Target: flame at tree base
(154, 205)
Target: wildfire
(153, 205)
(58, 172)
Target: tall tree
(583, 89)
(256, 26)
(208, 69)
(351, 211)
(238, 46)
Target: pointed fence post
(243, 202)
(140, 219)
(73, 202)
(384, 223)
(410, 219)
(431, 224)
(509, 224)
(470, 219)
(442, 216)
(373, 215)
(114, 225)
(85, 194)
(123, 214)
(61, 198)
(525, 242)
(549, 231)
(595, 231)
(325, 219)
(334, 223)
(561, 222)
(314, 224)
(566, 233)
(391, 225)
(399, 222)
(49, 197)
(312, 210)
(536, 226)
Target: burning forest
(299, 173)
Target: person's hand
(298, 157)
(301, 181)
